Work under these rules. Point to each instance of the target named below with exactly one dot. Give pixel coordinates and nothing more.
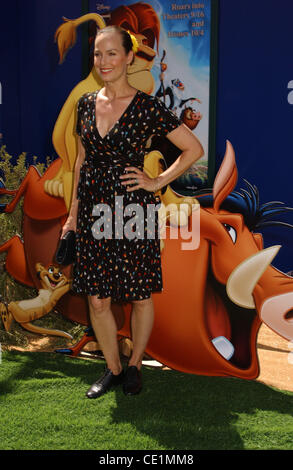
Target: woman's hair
(125, 36)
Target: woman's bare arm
(192, 150)
(70, 223)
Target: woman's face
(110, 58)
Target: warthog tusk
(245, 276)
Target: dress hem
(115, 299)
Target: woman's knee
(142, 304)
(99, 305)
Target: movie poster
(178, 48)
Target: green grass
(43, 407)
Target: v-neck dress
(117, 249)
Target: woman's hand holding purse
(65, 253)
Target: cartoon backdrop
(216, 317)
(253, 106)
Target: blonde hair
(129, 41)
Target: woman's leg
(105, 328)
(142, 319)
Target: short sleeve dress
(117, 235)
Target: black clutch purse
(65, 253)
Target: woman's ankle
(116, 370)
(135, 363)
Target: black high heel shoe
(105, 383)
(132, 383)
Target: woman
(114, 125)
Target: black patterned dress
(118, 245)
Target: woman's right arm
(70, 223)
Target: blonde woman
(114, 125)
